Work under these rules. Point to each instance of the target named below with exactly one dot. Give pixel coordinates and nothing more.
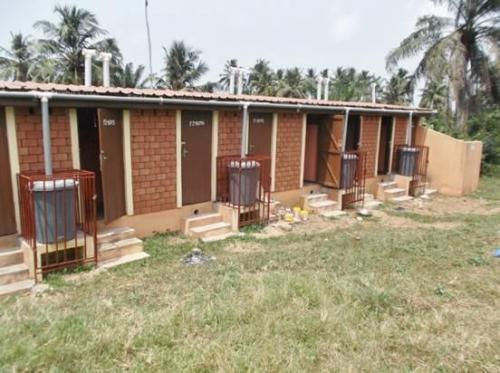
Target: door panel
(112, 165)
(330, 147)
(7, 215)
(311, 154)
(260, 134)
(384, 146)
(196, 135)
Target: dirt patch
(442, 205)
(407, 223)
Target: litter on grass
(197, 257)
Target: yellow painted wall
(454, 165)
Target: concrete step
(394, 192)
(307, 199)
(214, 229)
(11, 256)
(322, 205)
(199, 220)
(401, 199)
(121, 248)
(369, 197)
(16, 287)
(109, 235)
(10, 241)
(430, 192)
(110, 263)
(333, 214)
(371, 205)
(388, 184)
(220, 237)
(13, 273)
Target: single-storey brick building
(156, 155)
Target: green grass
(393, 300)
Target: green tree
(75, 30)
(17, 61)
(130, 76)
(348, 85)
(292, 84)
(460, 44)
(225, 77)
(262, 79)
(183, 66)
(398, 89)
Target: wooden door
(112, 164)
(330, 148)
(311, 153)
(7, 215)
(196, 135)
(384, 145)
(260, 134)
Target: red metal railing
(353, 178)
(58, 218)
(412, 161)
(245, 184)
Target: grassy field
(369, 297)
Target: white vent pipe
(88, 54)
(231, 79)
(327, 83)
(105, 58)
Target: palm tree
(225, 77)
(349, 85)
(130, 77)
(75, 30)
(262, 79)
(398, 89)
(17, 61)
(183, 66)
(461, 42)
(292, 84)
(435, 95)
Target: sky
(313, 33)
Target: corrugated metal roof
(165, 93)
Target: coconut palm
(75, 30)
(225, 77)
(183, 66)
(16, 62)
(130, 76)
(398, 89)
(462, 42)
(349, 85)
(292, 84)
(435, 95)
(262, 79)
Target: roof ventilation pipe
(241, 77)
(374, 93)
(327, 83)
(319, 86)
(88, 54)
(232, 76)
(105, 58)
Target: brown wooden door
(330, 147)
(260, 134)
(196, 152)
(112, 164)
(384, 145)
(311, 154)
(7, 215)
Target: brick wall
(153, 160)
(230, 123)
(30, 141)
(400, 130)
(288, 151)
(369, 139)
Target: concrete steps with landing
(10, 256)
(115, 243)
(307, 199)
(16, 287)
(13, 273)
(209, 230)
(401, 199)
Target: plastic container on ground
(54, 210)
(243, 182)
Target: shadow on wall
(454, 165)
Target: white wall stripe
(75, 144)
(274, 139)
(215, 143)
(178, 156)
(10, 119)
(127, 157)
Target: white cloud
(343, 27)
